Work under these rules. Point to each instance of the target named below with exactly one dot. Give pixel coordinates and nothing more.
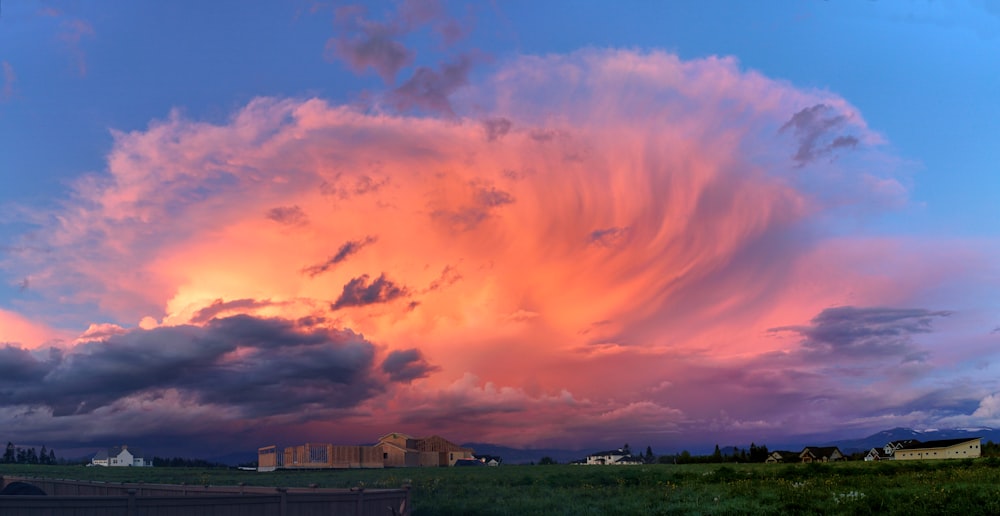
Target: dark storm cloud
(359, 292)
(342, 254)
(815, 127)
(262, 367)
(288, 215)
(406, 365)
(866, 332)
(19, 365)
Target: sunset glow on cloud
(581, 248)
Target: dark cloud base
(262, 367)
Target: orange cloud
(587, 227)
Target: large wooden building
(393, 450)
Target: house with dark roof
(617, 457)
(782, 456)
(967, 448)
(821, 454)
(120, 456)
(886, 452)
(395, 450)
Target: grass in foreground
(946, 487)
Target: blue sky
(897, 225)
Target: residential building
(821, 454)
(943, 449)
(120, 456)
(393, 450)
(617, 457)
(782, 456)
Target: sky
(227, 225)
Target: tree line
(17, 455)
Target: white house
(619, 457)
(886, 452)
(120, 456)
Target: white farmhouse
(120, 456)
(616, 457)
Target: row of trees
(17, 455)
(754, 454)
(179, 462)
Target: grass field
(945, 487)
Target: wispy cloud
(72, 33)
(348, 249)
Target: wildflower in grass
(850, 496)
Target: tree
(626, 449)
(32, 456)
(9, 456)
(52, 457)
(650, 458)
(547, 461)
(22, 456)
(43, 456)
(717, 454)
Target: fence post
(359, 508)
(283, 502)
(131, 503)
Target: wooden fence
(81, 498)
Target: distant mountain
(525, 456)
(879, 439)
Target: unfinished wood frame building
(393, 450)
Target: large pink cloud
(598, 243)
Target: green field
(945, 487)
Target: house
(782, 456)
(891, 448)
(615, 457)
(886, 452)
(401, 450)
(943, 449)
(489, 460)
(120, 456)
(876, 454)
(391, 450)
(821, 454)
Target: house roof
(821, 451)
(114, 451)
(607, 453)
(943, 443)
(879, 452)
